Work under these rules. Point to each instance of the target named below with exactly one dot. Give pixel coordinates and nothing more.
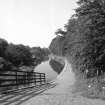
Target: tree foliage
(39, 55)
(3, 45)
(18, 55)
(5, 65)
(56, 45)
(84, 41)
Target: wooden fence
(15, 79)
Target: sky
(33, 22)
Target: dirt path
(61, 96)
(63, 93)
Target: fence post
(40, 79)
(26, 79)
(35, 78)
(44, 79)
(26, 74)
(16, 80)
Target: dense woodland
(82, 39)
(14, 57)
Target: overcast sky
(33, 22)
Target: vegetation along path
(62, 93)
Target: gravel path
(63, 93)
(56, 96)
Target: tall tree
(84, 42)
(3, 45)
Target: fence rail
(14, 79)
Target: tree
(18, 55)
(56, 46)
(61, 32)
(84, 41)
(3, 45)
(45, 51)
(5, 65)
(91, 15)
(39, 54)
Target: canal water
(45, 67)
